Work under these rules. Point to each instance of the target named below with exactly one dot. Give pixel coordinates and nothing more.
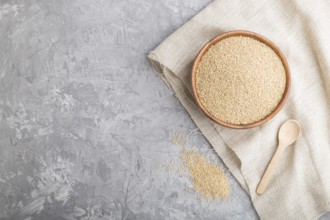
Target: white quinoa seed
(240, 80)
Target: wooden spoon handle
(269, 171)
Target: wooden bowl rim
(261, 39)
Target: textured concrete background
(85, 123)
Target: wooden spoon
(287, 135)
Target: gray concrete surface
(85, 123)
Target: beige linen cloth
(300, 187)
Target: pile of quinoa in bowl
(240, 81)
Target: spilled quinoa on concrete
(240, 80)
(208, 179)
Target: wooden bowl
(261, 39)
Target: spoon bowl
(289, 132)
